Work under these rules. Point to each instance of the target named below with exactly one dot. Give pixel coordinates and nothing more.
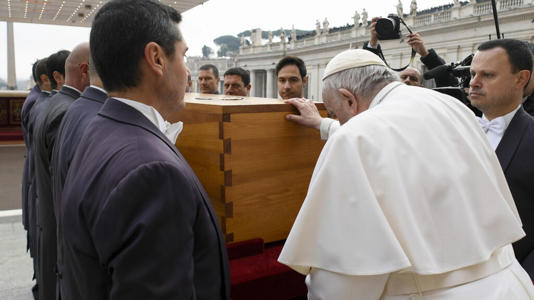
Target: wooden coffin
(255, 165)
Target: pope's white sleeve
(328, 126)
(325, 285)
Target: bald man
(69, 135)
(411, 76)
(76, 79)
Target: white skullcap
(351, 58)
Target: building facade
(454, 31)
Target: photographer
(428, 57)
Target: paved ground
(15, 264)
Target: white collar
(72, 88)
(383, 93)
(171, 131)
(99, 88)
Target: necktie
(494, 130)
(495, 126)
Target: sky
(202, 24)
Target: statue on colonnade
(399, 9)
(413, 8)
(325, 26)
(356, 19)
(364, 17)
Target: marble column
(11, 74)
(253, 83)
(270, 82)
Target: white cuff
(328, 126)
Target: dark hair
(34, 66)
(244, 74)
(519, 54)
(40, 69)
(211, 67)
(292, 60)
(56, 62)
(121, 29)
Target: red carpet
(11, 136)
(256, 274)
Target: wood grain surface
(254, 164)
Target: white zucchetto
(351, 58)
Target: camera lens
(385, 26)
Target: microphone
(436, 71)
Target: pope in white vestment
(407, 201)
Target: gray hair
(362, 81)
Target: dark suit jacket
(34, 114)
(24, 116)
(70, 132)
(43, 144)
(515, 153)
(528, 105)
(137, 223)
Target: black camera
(460, 70)
(388, 28)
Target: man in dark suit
(499, 73)
(30, 100)
(69, 135)
(28, 212)
(55, 63)
(24, 115)
(76, 79)
(137, 223)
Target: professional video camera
(460, 70)
(389, 28)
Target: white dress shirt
(171, 131)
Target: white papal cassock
(408, 200)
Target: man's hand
(416, 42)
(309, 114)
(373, 41)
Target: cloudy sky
(204, 23)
